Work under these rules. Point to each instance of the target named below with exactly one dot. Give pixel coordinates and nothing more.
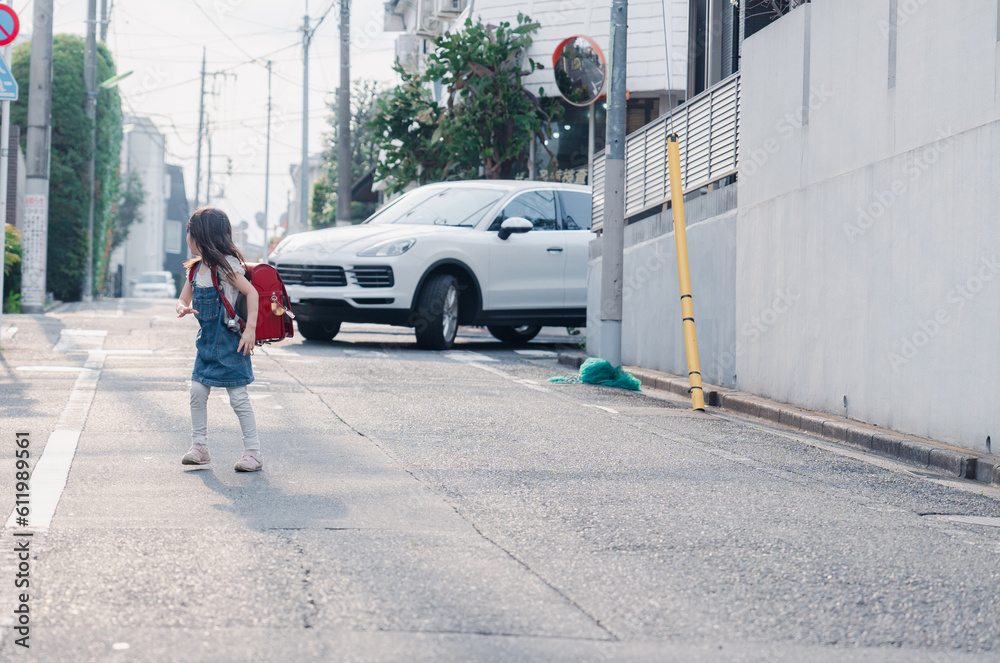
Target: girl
(223, 354)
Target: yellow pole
(684, 274)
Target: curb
(953, 461)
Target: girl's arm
(184, 301)
(249, 337)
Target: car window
(576, 210)
(152, 278)
(458, 206)
(539, 207)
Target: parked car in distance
(155, 284)
(507, 255)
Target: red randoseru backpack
(274, 315)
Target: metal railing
(708, 127)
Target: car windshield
(458, 206)
(153, 278)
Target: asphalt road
(420, 506)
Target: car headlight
(396, 247)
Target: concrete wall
(868, 196)
(652, 332)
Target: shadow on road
(266, 508)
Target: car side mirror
(515, 224)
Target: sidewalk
(954, 461)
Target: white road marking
(48, 478)
(466, 356)
(8, 333)
(495, 371)
(112, 353)
(536, 354)
(985, 521)
(80, 339)
(366, 354)
(52, 369)
(600, 407)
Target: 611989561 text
(22, 540)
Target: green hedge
(69, 196)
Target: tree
(11, 270)
(126, 211)
(71, 150)
(364, 154)
(411, 130)
(491, 113)
(489, 118)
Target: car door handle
(554, 249)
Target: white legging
(240, 401)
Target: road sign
(9, 25)
(8, 86)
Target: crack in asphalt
(312, 610)
(565, 597)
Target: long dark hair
(213, 233)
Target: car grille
(373, 276)
(312, 275)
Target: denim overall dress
(218, 364)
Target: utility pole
(90, 80)
(303, 220)
(613, 231)
(208, 180)
(36, 188)
(267, 158)
(345, 179)
(201, 133)
(104, 21)
(4, 161)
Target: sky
(161, 42)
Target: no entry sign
(9, 25)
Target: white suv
(511, 256)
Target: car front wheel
(436, 322)
(318, 331)
(515, 335)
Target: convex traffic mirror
(580, 70)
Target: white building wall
(878, 214)
(649, 21)
(144, 153)
(560, 19)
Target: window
(539, 207)
(439, 206)
(576, 210)
(639, 113)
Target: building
(842, 254)
(156, 241)
(657, 36)
(175, 227)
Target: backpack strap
(230, 311)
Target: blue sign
(8, 25)
(8, 86)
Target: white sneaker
(249, 462)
